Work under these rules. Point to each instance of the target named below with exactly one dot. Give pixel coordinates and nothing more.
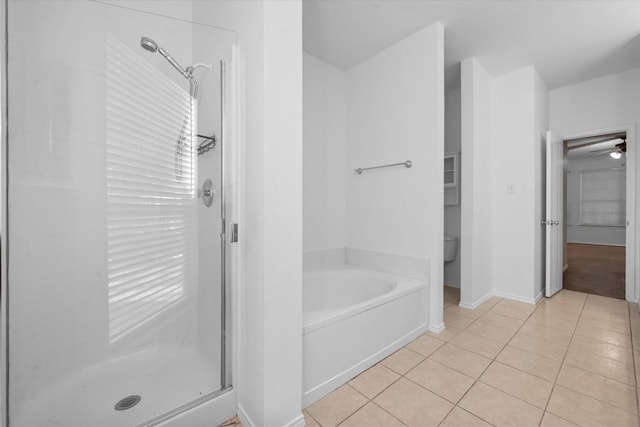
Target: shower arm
(193, 86)
(188, 73)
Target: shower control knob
(207, 193)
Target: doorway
(595, 181)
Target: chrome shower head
(148, 44)
(152, 46)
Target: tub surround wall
(315, 260)
(401, 265)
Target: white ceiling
(567, 40)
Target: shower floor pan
(164, 378)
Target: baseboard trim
(297, 421)
(477, 303)
(248, 422)
(436, 329)
(539, 296)
(245, 419)
(518, 298)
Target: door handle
(556, 222)
(234, 233)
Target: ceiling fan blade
(605, 151)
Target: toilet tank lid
(450, 237)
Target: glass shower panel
(115, 263)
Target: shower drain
(127, 402)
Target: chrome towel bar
(406, 164)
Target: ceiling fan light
(616, 154)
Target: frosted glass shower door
(116, 266)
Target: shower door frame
(4, 176)
(207, 406)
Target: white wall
(577, 233)
(609, 102)
(270, 125)
(517, 164)
(324, 165)
(395, 110)
(476, 281)
(540, 128)
(452, 212)
(503, 120)
(595, 104)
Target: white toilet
(450, 248)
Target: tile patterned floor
(569, 360)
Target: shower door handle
(233, 233)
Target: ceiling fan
(615, 151)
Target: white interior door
(554, 215)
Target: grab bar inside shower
(406, 164)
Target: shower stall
(119, 192)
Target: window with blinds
(603, 197)
(150, 191)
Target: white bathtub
(353, 318)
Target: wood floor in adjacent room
(595, 269)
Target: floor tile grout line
(561, 362)
(555, 382)
(494, 359)
(596, 374)
(557, 375)
(373, 403)
(360, 407)
(387, 412)
(633, 358)
(381, 391)
(593, 373)
(309, 413)
(455, 405)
